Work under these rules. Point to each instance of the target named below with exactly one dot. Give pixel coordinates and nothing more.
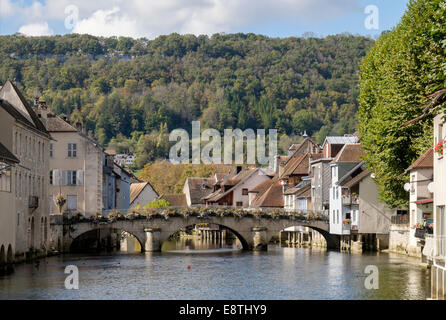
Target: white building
(340, 215)
(438, 285)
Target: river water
(192, 269)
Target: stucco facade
(82, 189)
(439, 189)
(25, 212)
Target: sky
(151, 18)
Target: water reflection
(219, 271)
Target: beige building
(76, 166)
(438, 286)
(7, 235)
(25, 213)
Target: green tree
(400, 71)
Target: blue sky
(150, 18)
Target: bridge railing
(204, 211)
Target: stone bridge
(253, 232)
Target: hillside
(131, 93)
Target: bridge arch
(243, 241)
(331, 240)
(99, 238)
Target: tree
(400, 71)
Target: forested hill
(132, 92)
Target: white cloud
(36, 29)
(108, 23)
(151, 18)
(6, 8)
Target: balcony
(400, 219)
(348, 200)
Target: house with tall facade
(367, 218)
(421, 174)
(7, 219)
(438, 278)
(80, 170)
(321, 171)
(24, 177)
(347, 159)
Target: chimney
(276, 163)
(40, 108)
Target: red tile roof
(425, 161)
(350, 153)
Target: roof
(233, 182)
(425, 161)
(299, 165)
(302, 190)
(262, 187)
(175, 200)
(340, 140)
(136, 189)
(350, 153)
(300, 150)
(13, 95)
(57, 124)
(6, 155)
(424, 201)
(199, 188)
(110, 152)
(356, 179)
(271, 197)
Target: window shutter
(80, 177)
(56, 177)
(64, 177)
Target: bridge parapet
(152, 227)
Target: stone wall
(399, 241)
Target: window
(71, 202)
(239, 204)
(71, 177)
(72, 150)
(245, 192)
(440, 132)
(51, 150)
(51, 177)
(5, 178)
(337, 216)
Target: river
(191, 269)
